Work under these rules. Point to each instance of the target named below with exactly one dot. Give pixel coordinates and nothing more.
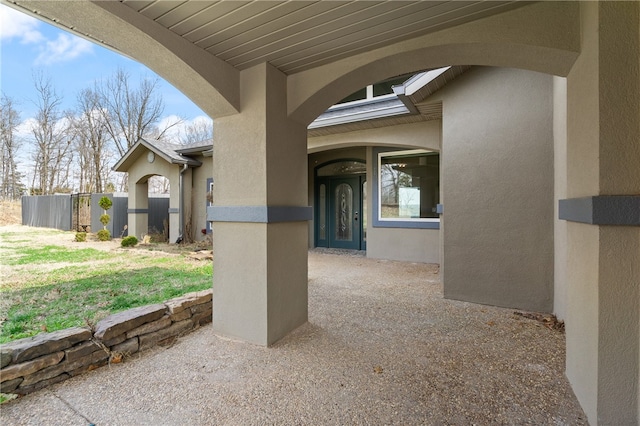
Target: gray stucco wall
(497, 186)
(404, 244)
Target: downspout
(181, 219)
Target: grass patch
(84, 301)
(7, 397)
(54, 254)
(88, 285)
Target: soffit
(299, 35)
(423, 91)
(371, 124)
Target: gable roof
(170, 152)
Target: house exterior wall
(195, 190)
(424, 134)
(408, 245)
(413, 245)
(497, 188)
(198, 199)
(525, 96)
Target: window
(382, 88)
(408, 186)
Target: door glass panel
(343, 211)
(364, 211)
(322, 219)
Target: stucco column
(260, 214)
(138, 208)
(174, 204)
(601, 210)
(191, 228)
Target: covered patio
(265, 70)
(382, 346)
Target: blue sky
(72, 63)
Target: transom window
(340, 168)
(376, 90)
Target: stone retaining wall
(27, 365)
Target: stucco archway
(140, 209)
(541, 38)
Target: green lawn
(48, 287)
(52, 254)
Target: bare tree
(129, 113)
(163, 132)
(10, 184)
(390, 181)
(53, 154)
(198, 131)
(91, 139)
(159, 185)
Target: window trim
(378, 222)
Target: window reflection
(409, 185)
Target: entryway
(341, 205)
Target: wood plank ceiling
(299, 35)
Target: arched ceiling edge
(543, 37)
(208, 81)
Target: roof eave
(126, 161)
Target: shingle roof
(170, 152)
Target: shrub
(104, 219)
(81, 237)
(104, 235)
(129, 241)
(105, 203)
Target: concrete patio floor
(381, 346)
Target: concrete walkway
(381, 347)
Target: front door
(339, 213)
